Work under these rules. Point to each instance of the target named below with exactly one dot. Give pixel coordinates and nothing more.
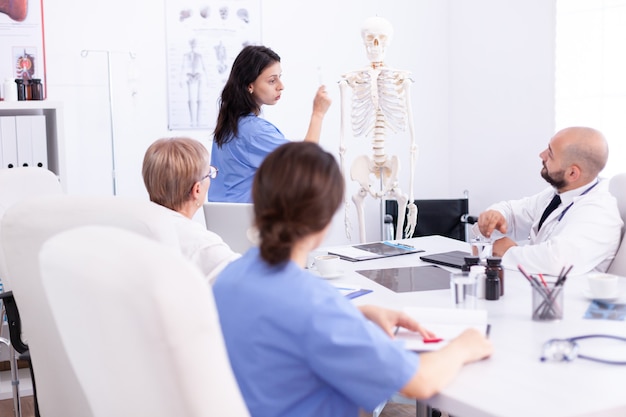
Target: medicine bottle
(21, 89)
(469, 262)
(495, 263)
(9, 90)
(36, 92)
(477, 272)
(492, 285)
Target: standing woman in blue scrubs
(242, 139)
(297, 346)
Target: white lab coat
(201, 246)
(586, 235)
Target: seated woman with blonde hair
(177, 175)
(297, 346)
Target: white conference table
(513, 382)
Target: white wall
(501, 96)
(482, 97)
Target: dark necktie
(556, 200)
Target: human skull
(377, 33)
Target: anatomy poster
(203, 39)
(21, 40)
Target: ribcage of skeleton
(385, 97)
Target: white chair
(139, 325)
(17, 184)
(617, 186)
(233, 222)
(24, 228)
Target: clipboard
(374, 250)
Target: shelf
(53, 112)
(30, 105)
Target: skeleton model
(380, 101)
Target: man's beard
(556, 179)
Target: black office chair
(12, 314)
(445, 217)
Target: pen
(537, 283)
(433, 340)
(399, 245)
(530, 278)
(543, 281)
(563, 276)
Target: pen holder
(547, 302)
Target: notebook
(454, 259)
(233, 222)
(446, 323)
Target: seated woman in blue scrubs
(297, 346)
(242, 139)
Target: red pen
(433, 340)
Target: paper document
(350, 292)
(445, 323)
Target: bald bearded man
(574, 222)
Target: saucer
(330, 276)
(587, 294)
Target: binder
(23, 127)
(39, 141)
(8, 142)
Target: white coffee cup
(327, 265)
(602, 285)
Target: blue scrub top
(299, 348)
(239, 159)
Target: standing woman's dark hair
(236, 101)
(296, 192)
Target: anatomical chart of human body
(203, 39)
(21, 40)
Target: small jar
(477, 272)
(28, 87)
(21, 89)
(9, 90)
(469, 262)
(492, 285)
(36, 88)
(495, 263)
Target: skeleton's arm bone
(412, 219)
(343, 86)
(402, 203)
(413, 148)
(358, 199)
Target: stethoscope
(562, 214)
(566, 350)
(572, 203)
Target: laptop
(233, 222)
(453, 259)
